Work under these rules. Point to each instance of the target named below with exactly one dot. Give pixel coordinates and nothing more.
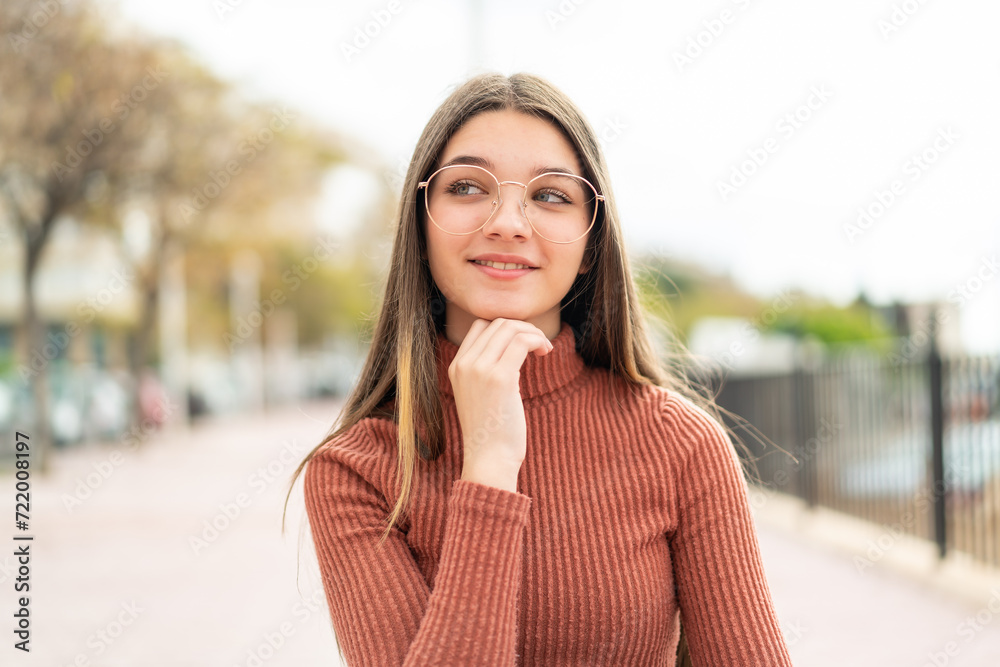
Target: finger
(520, 345)
(523, 335)
(481, 343)
(475, 332)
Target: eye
(551, 196)
(465, 188)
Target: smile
(501, 265)
(502, 271)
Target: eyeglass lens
(461, 199)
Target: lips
(505, 266)
(504, 262)
(490, 269)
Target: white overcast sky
(895, 76)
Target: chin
(506, 313)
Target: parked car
(85, 403)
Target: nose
(509, 221)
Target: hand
(485, 376)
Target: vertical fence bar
(804, 430)
(938, 490)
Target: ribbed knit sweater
(626, 515)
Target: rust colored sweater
(625, 516)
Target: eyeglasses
(462, 198)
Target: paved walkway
(121, 580)
(171, 555)
(850, 592)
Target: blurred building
(917, 321)
(85, 293)
(84, 290)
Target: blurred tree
(832, 325)
(127, 132)
(324, 294)
(66, 92)
(682, 293)
(219, 173)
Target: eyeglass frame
(498, 202)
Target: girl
(516, 479)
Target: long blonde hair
(602, 305)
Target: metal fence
(910, 443)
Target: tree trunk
(149, 298)
(36, 363)
(35, 347)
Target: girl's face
(514, 146)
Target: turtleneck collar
(539, 375)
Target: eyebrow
(486, 164)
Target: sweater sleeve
(724, 599)
(383, 611)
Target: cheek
(575, 261)
(443, 260)
(569, 268)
